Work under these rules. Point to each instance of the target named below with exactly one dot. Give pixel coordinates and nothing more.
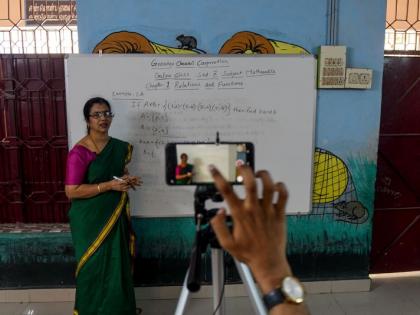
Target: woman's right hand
(118, 185)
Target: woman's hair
(90, 103)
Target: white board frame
(88, 76)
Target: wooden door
(33, 138)
(396, 223)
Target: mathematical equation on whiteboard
(161, 113)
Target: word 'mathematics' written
(188, 74)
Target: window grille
(38, 27)
(402, 27)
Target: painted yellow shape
(161, 49)
(330, 177)
(286, 48)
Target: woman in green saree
(100, 217)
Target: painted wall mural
(333, 191)
(245, 42)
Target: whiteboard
(267, 100)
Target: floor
(389, 296)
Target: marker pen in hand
(122, 180)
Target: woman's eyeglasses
(106, 114)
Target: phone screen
(187, 163)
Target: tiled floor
(393, 296)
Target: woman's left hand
(133, 180)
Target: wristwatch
(291, 291)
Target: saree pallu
(103, 240)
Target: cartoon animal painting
(352, 212)
(253, 43)
(333, 190)
(240, 43)
(188, 42)
(134, 43)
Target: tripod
(204, 237)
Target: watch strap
(273, 298)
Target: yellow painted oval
(330, 177)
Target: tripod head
(201, 195)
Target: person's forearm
(284, 308)
(263, 248)
(88, 190)
(270, 280)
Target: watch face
(292, 289)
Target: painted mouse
(188, 42)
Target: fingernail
(212, 169)
(221, 211)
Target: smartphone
(187, 163)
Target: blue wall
(344, 117)
(211, 22)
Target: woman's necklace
(96, 146)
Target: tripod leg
(251, 288)
(183, 298)
(217, 269)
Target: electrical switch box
(332, 67)
(357, 78)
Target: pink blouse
(78, 162)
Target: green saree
(103, 240)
